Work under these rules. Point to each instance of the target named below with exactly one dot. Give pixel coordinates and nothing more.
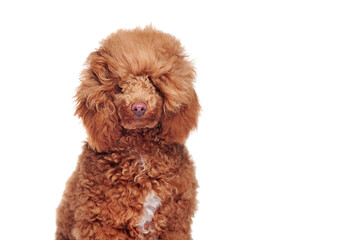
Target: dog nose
(139, 108)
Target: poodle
(135, 178)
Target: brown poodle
(135, 178)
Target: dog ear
(95, 105)
(181, 106)
(177, 126)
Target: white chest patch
(152, 202)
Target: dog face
(138, 102)
(137, 79)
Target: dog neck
(142, 137)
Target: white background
(278, 145)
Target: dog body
(135, 178)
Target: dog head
(137, 79)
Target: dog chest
(127, 191)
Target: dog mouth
(139, 115)
(139, 122)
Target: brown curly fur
(127, 157)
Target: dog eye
(118, 89)
(156, 88)
(151, 81)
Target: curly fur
(135, 178)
